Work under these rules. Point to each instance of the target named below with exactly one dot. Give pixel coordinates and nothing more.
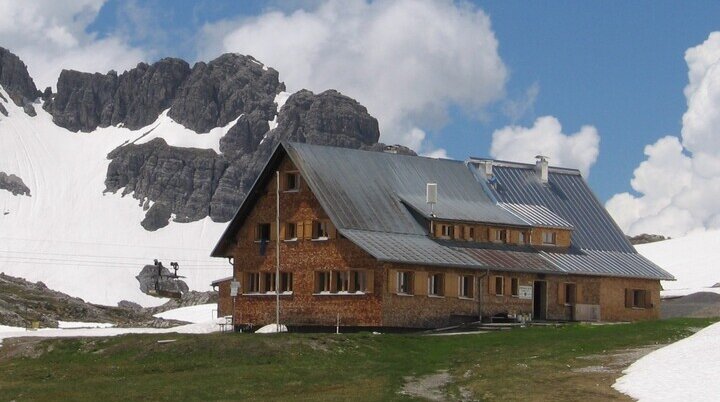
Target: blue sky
(615, 65)
(442, 76)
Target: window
(404, 282)
(514, 287)
(466, 287)
(286, 282)
(262, 232)
(291, 231)
(500, 235)
(342, 281)
(523, 238)
(320, 230)
(549, 238)
(448, 231)
(471, 233)
(253, 282)
(637, 298)
(292, 181)
(570, 293)
(322, 282)
(358, 281)
(435, 284)
(269, 282)
(499, 288)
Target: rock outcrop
(195, 183)
(13, 184)
(158, 281)
(16, 81)
(134, 99)
(220, 91)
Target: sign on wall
(525, 292)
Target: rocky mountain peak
(16, 80)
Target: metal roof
(365, 190)
(607, 263)
(568, 196)
(537, 215)
(377, 200)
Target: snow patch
(194, 314)
(78, 240)
(280, 99)
(692, 260)
(271, 329)
(79, 324)
(684, 371)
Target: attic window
(291, 231)
(448, 231)
(500, 235)
(320, 230)
(292, 181)
(549, 238)
(523, 238)
(471, 233)
(262, 232)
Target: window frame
(253, 282)
(549, 238)
(436, 285)
(404, 282)
(323, 282)
(318, 227)
(465, 283)
(356, 274)
(296, 180)
(259, 231)
(501, 236)
(499, 290)
(447, 231)
(515, 287)
(294, 226)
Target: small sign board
(234, 287)
(525, 292)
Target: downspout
(479, 290)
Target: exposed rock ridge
(199, 183)
(204, 97)
(13, 184)
(16, 81)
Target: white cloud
(50, 35)
(407, 61)
(545, 137)
(517, 108)
(678, 185)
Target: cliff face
(14, 78)
(189, 184)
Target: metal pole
(277, 249)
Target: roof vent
(431, 196)
(541, 167)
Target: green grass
(527, 364)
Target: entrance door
(539, 300)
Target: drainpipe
(479, 290)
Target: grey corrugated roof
(567, 195)
(367, 195)
(607, 263)
(537, 215)
(365, 190)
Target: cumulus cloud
(51, 35)
(515, 109)
(578, 150)
(407, 61)
(678, 185)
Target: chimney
(541, 168)
(432, 196)
(486, 168)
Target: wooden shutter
(508, 286)
(466, 232)
(299, 230)
(458, 234)
(369, 281)
(648, 299)
(491, 285)
(332, 232)
(283, 226)
(420, 283)
(561, 293)
(452, 283)
(273, 231)
(628, 297)
(308, 230)
(578, 294)
(392, 281)
(437, 227)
